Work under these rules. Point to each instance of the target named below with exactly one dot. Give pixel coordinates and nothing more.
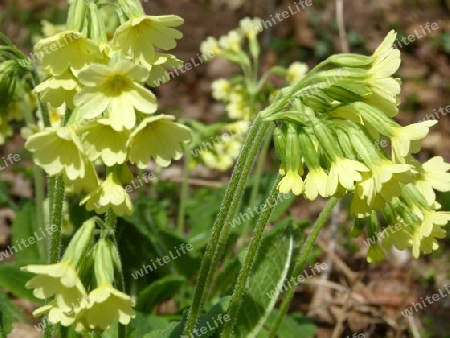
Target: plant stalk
(250, 257)
(230, 202)
(301, 261)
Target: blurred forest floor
(309, 36)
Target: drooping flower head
(139, 36)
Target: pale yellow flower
(139, 36)
(109, 195)
(106, 305)
(58, 151)
(115, 89)
(68, 48)
(60, 279)
(163, 139)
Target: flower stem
(184, 194)
(110, 223)
(250, 257)
(56, 218)
(301, 261)
(255, 188)
(221, 227)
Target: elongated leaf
(208, 324)
(159, 291)
(141, 325)
(28, 242)
(293, 325)
(270, 270)
(9, 313)
(14, 281)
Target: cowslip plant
(326, 124)
(328, 129)
(109, 123)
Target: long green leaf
(159, 291)
(27, 240)
(207, 326)
(14, 281)
(9, 313)
(270, 270)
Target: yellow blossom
(59, 89)
(403, 139)
(163, 139)
(68, 48)
(109, 195)
(315, 183)
(139, 36)
(434, 176)
(296, 72)
(101, 140)
(106, 305)
(60, 279)
(344, 172)
(57, 151)
(115, 88)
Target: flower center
(117, 84)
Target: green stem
(184, 194)
(153, 193)
(221, 227)
(56, 219)
(250, 257)
(301, 261)
(256, 183)
(110, 223)
(57, 196)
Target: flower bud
(80, 243)
(348, 92)
(350, 60)
(104, 262)
(280, 143)
(77, 15)
(97, 29)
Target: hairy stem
(221, 227)
(301, 261)
(250, 257)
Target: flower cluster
(110, 114)
(83, 284)
(101, 114)
(328, 142)
(243, 96)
